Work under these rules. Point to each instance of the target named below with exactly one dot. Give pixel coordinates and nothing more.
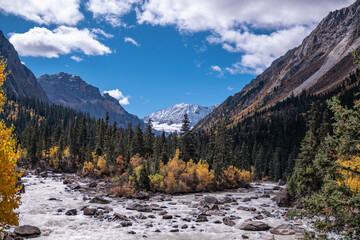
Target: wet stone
(71, 212)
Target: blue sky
(197, 52)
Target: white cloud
(111, 11)
(44, 12)
(230, 88)
(117, 94)
(235, 24)
(130, 40)
(101, 32)
(216, 68)
(76, 59)
(62, 40)
(124, 101)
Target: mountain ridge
(319, 64)
(20, 81)
(72, 91)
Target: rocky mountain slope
(319, 64)
(71, 91)
(170, 119)
(20, 80)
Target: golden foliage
(233, 176)
(8, 176)
(136, 161)
(349, 177)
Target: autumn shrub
(232, 177)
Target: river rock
(126, 224)
(27, 231)
(71, 212)
(281, 182)
(139, 207)
(284, 229)
(92, 184)
(89, 211)
(201, 218)
(142, 195)
(228, 221)
(210, 200)
(254, 226)
(99, 200)
(167, 217)
(68, 181)
(121, 217)
(184, 226)
(283, 198)
(244, 184)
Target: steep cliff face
(20, 80)
(71, 91)
(170, 119)
(320, 63)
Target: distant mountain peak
(72, 91)
(170, 119)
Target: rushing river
(49, 215)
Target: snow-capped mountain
(170, 119)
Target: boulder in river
(139, 207)
(210, 200)
(244, 184)
(283, 198)
(201, 218)
(254, 226)
(126, 224)
(228, 221)
(284, 229)
(89, 211)
(71, 212)
(99, 200)
(142, 195)
(27, 231)
(121, 217)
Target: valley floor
(190, 216)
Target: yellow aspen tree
(9, 193)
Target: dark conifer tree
(137, 145)
(187, 141)
(149, 140)
(223, 149)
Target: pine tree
(187, 141)
(149, 140)
(223, 145)
(83, 141)
(306, 175)
(47, 138)
(137, 145)
(144, 180)
(259, 163)
(244, 157)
